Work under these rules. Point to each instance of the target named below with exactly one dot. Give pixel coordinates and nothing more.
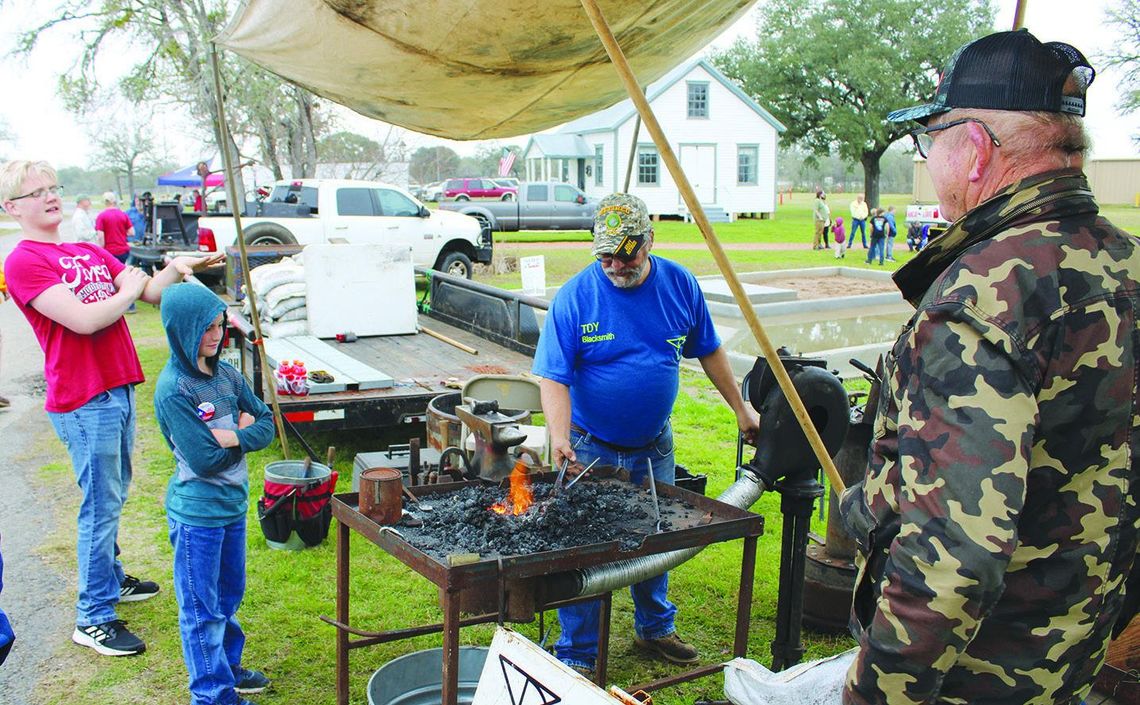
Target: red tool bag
(297, 504)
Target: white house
(725, 141)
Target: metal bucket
(380, 498)
(417, 678)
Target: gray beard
(628, 279)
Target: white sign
(533, 275)
(518, 672)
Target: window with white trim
(747, 157)
(599, 153)
(647, 166)
(698, 99)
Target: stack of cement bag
(280, 292)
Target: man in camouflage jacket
(998, 519)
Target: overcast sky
(43, 129)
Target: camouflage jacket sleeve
(952, 477)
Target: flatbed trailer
(501, 326)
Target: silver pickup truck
(541, 205)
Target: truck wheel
(508, 196)
(463, 197)
(269, 234)
(456, 264)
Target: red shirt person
(116, 228)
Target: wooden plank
(337, 363)
(277, 349)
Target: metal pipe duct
(742, 494)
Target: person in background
(82, 224)
(891, 233)
(997, 523)
(859, 214)
(74, 295)
(609, 357)
(821, 219)
(914, 236)
(210, 418)
(839, 235)
(115, 227)
(138, 221)
(879, 229)
(198, 201)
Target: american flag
(506, 162)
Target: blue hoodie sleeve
(192, 437)
(261, 433)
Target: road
(37, 598)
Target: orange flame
(520, 497)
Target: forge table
(514, 584)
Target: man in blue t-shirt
(609, 357)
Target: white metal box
(368, 289)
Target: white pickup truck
(306, 211)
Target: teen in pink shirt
(74, 295)
(116, 227)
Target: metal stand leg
(796, 502)
(451, 648)
(603, 639)
(744, 598)
(342, 534)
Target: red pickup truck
(467, 189)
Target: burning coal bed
(495, 521)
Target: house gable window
(698, 99)
(747, 155)
(598, 155)
(647, 166)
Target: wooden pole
(632, 152)
(1019, 15)
(617, 57)
(236, 204)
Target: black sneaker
(251, 682)
(134, 590)
(110, 639)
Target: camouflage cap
(620, 225)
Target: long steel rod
(632, 152)
(235, 203)
(617, 57)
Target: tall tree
(365, 157)
(125, 152)
(1124, 53)
(831, 70)
(433, 163)
(176, 66)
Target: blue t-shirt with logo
(620, 350)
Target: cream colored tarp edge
(470, 70)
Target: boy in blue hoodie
(210, 419)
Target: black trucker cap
(1007, 71)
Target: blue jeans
(99, 436)
(861, 226)
(209, 582)
(891, 247)
(877, 245)
(652, 611)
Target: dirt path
(37, 597)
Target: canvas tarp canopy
(470, 69)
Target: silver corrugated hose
(742, 494)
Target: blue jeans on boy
(877, 246)
(653, 612)
(209, 582)
(99, 437)
(890, 242)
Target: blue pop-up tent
(188, 176)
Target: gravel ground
(37, 598)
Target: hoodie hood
(187, 311)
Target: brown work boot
(585, 671)
(669, 647)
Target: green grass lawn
(287, 592)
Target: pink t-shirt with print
(77, 367)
